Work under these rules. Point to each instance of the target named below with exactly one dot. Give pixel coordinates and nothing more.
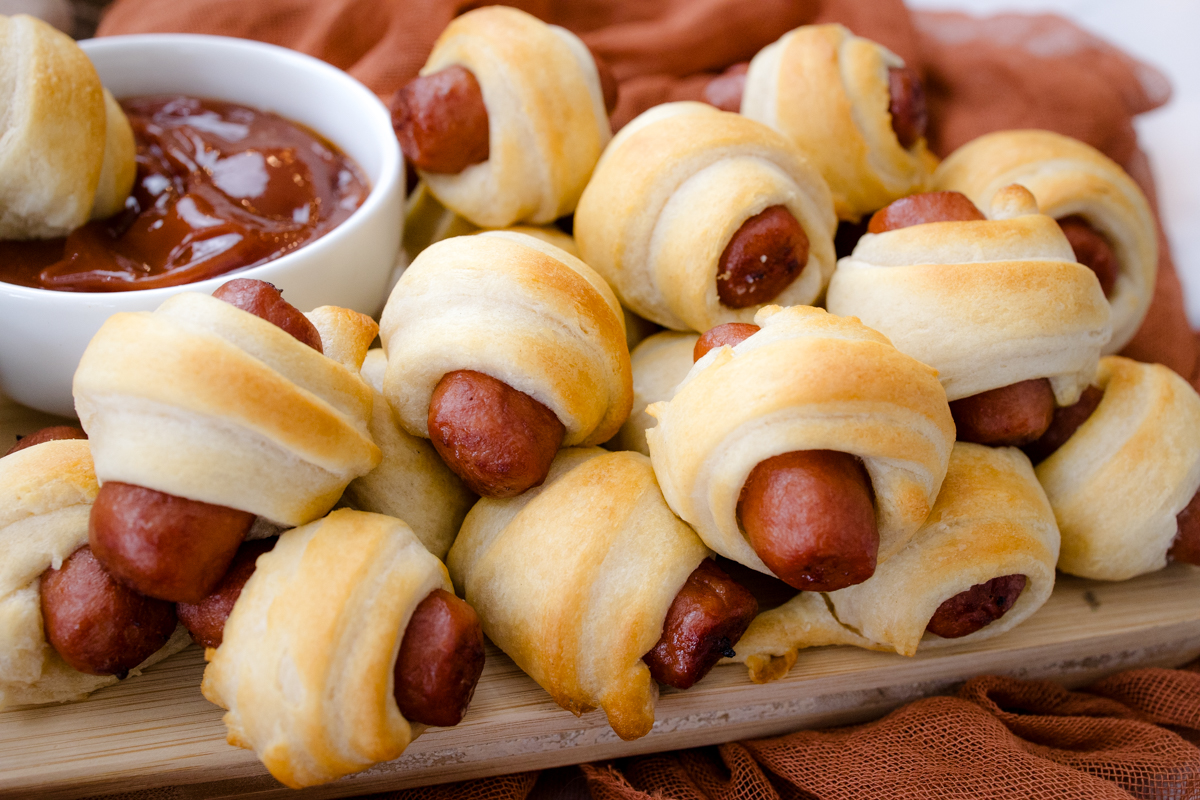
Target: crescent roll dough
(46, 494)
(986, 303)
(546, 119)
(991, 519)
(305, 668)
(411, 482)
(573, 580)
(827, 90)
(519, 310)
(670, 192)
(1118, 483)
(1069, 178)
(807, 381)
(659, 363)
(62, 137)
(202, 400)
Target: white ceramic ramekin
(44, 333)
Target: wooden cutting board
(157, 730)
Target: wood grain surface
(157, 730)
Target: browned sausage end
(706, 619)
(441, 658)
(164, 546)
(809, 515)
(921, 209)
(205, 620)
(1064, 423)
(265, 301)
(52, 434)
(1092, 250)
(441, 121)
(731, 333)
(1013, 415)
(977, 607)
(907, 105)
(763, 257)
(498, 440)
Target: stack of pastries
(616, 509)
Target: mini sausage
(1092, 250)
(263, 300)
(725, 91)
(97, 625)
(763, 257)
(731, 333)
(810, 517)
(441, 121)
(706, 619)
(441, 658)
(907, 105)
(164, 546)
(205, 620)
(498, 440)
(921, 209)
(1065, 422)
(981, 605)
(56, 433)
(1014, 415)
(1186, 547)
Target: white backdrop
(1165, 34)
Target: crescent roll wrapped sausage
(698, 217)
(995, 305)
(46, 494)
(852, 106)
(203, 400)
(306, 668)
(66, 148)
(507, 119)
(1123, 478)
(981, 564)
(659, 363)
(1102, 211)
(580, 582)
(808, 385)
(502, 348)
(411, 482)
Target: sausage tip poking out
(1063, 424)
(810, 517)
(1186, 547)
(498, 440)
(205, 620)
(763, 257)
(921, 209)
(977, 607)
(707, 617)
(53, 434)
(97, 625)
(264, 301)
(1092, 250)
(731, 333)
(164, 546)
(440, 660)
(907, 105)
(441, 121)
(1013, 415)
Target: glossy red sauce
(219, 187)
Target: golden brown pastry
(659, 363)
(987, 303)
(46, 494)
(411, 482)
(202, 400)
(305, 669)
(807, 381)
(546, 118)
(991, 522)
(519, 312)
(827, 91)
(684, 204)
(66, 149)
(1121, 479)
(1081, 187)
(574, 579)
